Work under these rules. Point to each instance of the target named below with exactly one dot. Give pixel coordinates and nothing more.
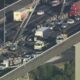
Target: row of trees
(50, 72)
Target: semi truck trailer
(40, 37)
(43, 32)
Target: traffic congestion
(46, 28)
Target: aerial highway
(35, 19)
(10, 25)
(49, 53)
(11, 28)
(30, 27)
(25, 22)
(42, 58)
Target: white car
(8, 44)
(60, 38)
(40, 12)
(70, 21)
(55, 2)
(39, 45)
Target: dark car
(58, 22)
(77, 18)
(64, 25)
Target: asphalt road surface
(14, 7)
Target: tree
(58, 77)
(69, 70)
(46, 72)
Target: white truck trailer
(43, 32)
(20, 14)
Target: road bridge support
(77, 61)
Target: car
(8, 44)
(70, 21)
(40, 45)
(64, 25)
(26, 58)
(58, 22)
(60, 38)
(55, 2)
(2, 67)
(13, 47)
(77, 18)
(51, 25)
(40, 12)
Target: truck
(41, 35)
(20, 14)
(43, 32)
(75, 9)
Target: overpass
(42, 58)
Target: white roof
(43, 28)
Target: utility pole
(62, 9)
(63, 5)
(4, 25)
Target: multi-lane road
(42, 58)
(46, 55)
(35, 19)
